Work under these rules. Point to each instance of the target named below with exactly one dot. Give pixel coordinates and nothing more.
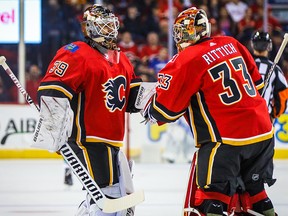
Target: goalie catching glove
(145, 92)
(54, 125)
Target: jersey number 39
(59, 68)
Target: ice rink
(35, 188)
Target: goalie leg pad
(54, 125)
(89, 208)
(259, 202)
(125, 178)
(201, 195)
(211, 202)
(125, 181)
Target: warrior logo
(115, 93)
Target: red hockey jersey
(214, 84)
(98, 91)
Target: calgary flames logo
(115, 93)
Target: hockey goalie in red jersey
(214, 82)
(88, 87)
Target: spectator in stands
(151, 48)
(140, 69)
(164, 8)
(285, 65)
(132, 22)
(215, 28)
(247, 22)
(164, 31)
(254, 5)
(54, 25)
(214, 8)
(10, 51)
(159, 61)
(33, 78)
(244, 37)
(73, 15)
(151, 21)
(145, 73)
(277, 36)
(127, 45)
(225, 21)
(146, 7)
(236, 9)
(4, 96)
(273, 22)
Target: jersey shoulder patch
(71, 47)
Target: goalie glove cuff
(134, 89)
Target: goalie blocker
(54, 125)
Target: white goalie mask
(101, 25)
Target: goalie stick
(107, 205)
(276, 60)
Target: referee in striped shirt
(276, 93)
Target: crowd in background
(143, 34)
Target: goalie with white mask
(95, 82)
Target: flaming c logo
(115, 93)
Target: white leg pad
(125, 181)
(83, 209)
(125, 178)
(124, 187)
(87, 209)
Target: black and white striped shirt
(277, 83)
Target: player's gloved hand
(146, 114)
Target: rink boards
(17, 123)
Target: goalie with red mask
(88, 87)
(214, 82)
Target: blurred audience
(159, 61)
(151, 48)
(132, 23)
(4, 95)
(144, 30)
(247, 21)
(237, 10)
(127, 45)
(33, 78)
(273, 22)
(225, 21)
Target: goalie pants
(101, 161)
(225, 168)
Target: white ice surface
(35, 188)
